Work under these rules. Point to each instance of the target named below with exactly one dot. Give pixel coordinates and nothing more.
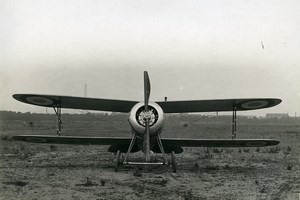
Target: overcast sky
(207, 49)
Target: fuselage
(137, 118)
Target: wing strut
(59, 122)
(233, 134)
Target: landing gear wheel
(173, 162)
(117, 160)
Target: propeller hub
(146, 115)
(142, 116)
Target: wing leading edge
(76, 102)
(219, 142)
(182, 142)
(217, 105)
(73, 140)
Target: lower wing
(73, 140)
(218, 142)
(167, 141)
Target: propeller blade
(147, 89)
(146, 142)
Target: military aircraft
(146, 119)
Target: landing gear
(161, 147)
(117, 160)
(129, 149)
(173, 161)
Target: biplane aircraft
(146, 119)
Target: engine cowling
(137, 117)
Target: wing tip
(255, 104)
(16, 96)
(37, 99)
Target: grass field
(47, 171)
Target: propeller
(146, 142)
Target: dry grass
(61, 171)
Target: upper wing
(76, 102)
(73, 140)
(219, 142)
(216, 105)
(125, 106)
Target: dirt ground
(47, 171)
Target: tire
(117, 160)
(173, 162)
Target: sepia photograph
(168, 100)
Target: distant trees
(28, 116)
(179, 118)
(226, 119)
